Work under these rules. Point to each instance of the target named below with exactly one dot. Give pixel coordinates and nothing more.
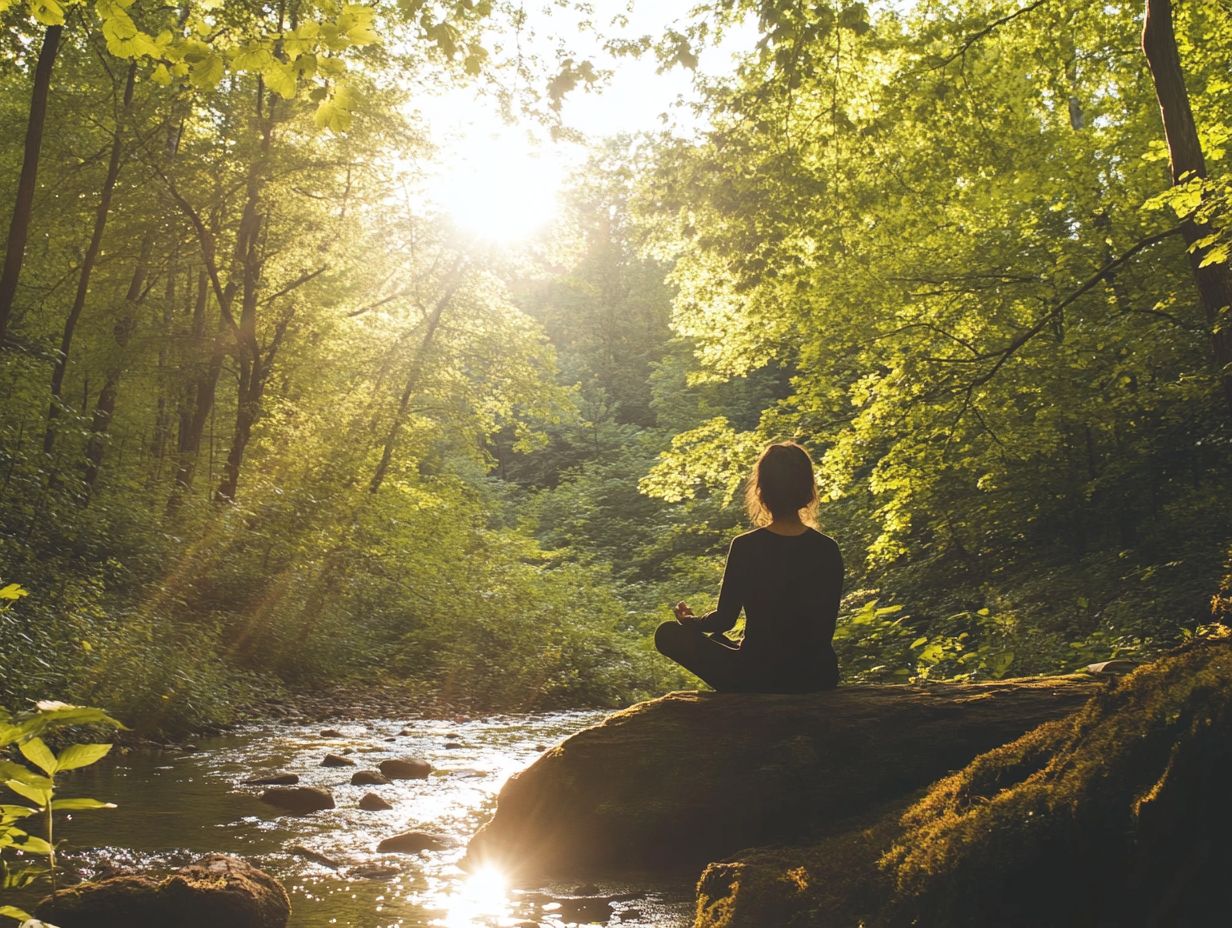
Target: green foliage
(307, 434)
(37, 786)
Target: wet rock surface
(412, 842)
(408, 768)
(299, 799)
(273, 779)
(217, 891)
(693, 777)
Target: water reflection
(176, 805)
(480, 899)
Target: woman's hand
(684, 615)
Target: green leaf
(13, 591)
(74, 805)
(47, 12)
(280, 78)
(81, 755)
(35, 845)
(11, 911)
(58, 715)
(12, 771)
(36, 752)
(252, 57)
(206, 73)
(39, 795)
(11, 813)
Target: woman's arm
(731, 596)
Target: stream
(177, 804)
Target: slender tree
(1186, 159)
(23, 205)
(87, 263)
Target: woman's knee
(668, 637)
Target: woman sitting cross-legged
(786, 576)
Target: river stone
(694, 777)
(300, 799)
(217, 890)
(334, 760)
(369, 778)
(407, 768)
(273, 779)
(331, 733)
(453, 736)
(371, 802)
(412, 842)
(315, 856)
(377, 872)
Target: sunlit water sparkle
(176, 805)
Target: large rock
(217, 890)
(273, 779)
(412, 842)
(1117, 815)
(371, 802)
(692, 777)
(300, 799)
(407, 768)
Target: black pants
(728, 670)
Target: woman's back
(786, 577)
(789, 586)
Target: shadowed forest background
(270, 422)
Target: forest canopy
(271, 419)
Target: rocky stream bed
(177, 804)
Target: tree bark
(413, 377)
(87, 265)
(253, 371)
(1214, 282)
(19, 225)
(104, 407)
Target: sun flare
(482, 896)
(498, 187)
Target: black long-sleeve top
(789, 587)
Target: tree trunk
(162, 416)
(247, 409)
(192, 424)
(418, 364)
(253, 371)
(19, 225)
(87, 266)
(1214, 282)
(104, 408)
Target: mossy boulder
(1119, 815)
(692, 777)
(217, 890)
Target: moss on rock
(1119, 815)
(217, 892)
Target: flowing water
(178, 804)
